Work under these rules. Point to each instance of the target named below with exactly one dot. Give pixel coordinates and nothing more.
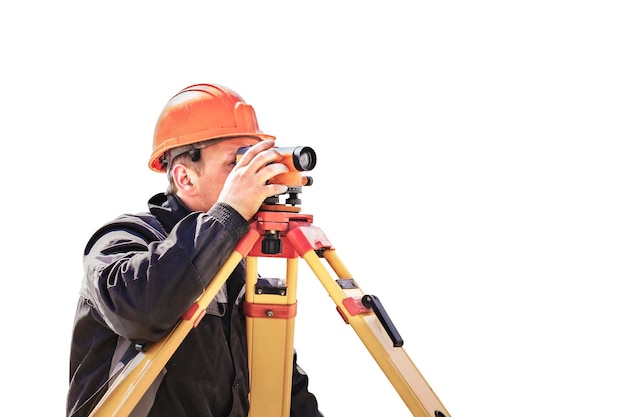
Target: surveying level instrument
(279, 230)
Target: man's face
(217, 162)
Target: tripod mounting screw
(271, 243)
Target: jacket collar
(168, 209)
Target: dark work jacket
(142, 273)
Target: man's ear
(185, 179)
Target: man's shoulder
(143, 225)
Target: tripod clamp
(371, 301)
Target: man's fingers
(268, 172)
(254, 150)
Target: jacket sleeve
(141, 281)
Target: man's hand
(246, 187)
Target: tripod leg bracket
(355, 306)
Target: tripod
(281, 231)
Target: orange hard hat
(200, 113)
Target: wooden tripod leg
(270, 309)
(386, 350)
(125, 392)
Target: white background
(470, 174)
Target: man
(143, 271)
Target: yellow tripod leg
(270, 311)
(393, 360)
